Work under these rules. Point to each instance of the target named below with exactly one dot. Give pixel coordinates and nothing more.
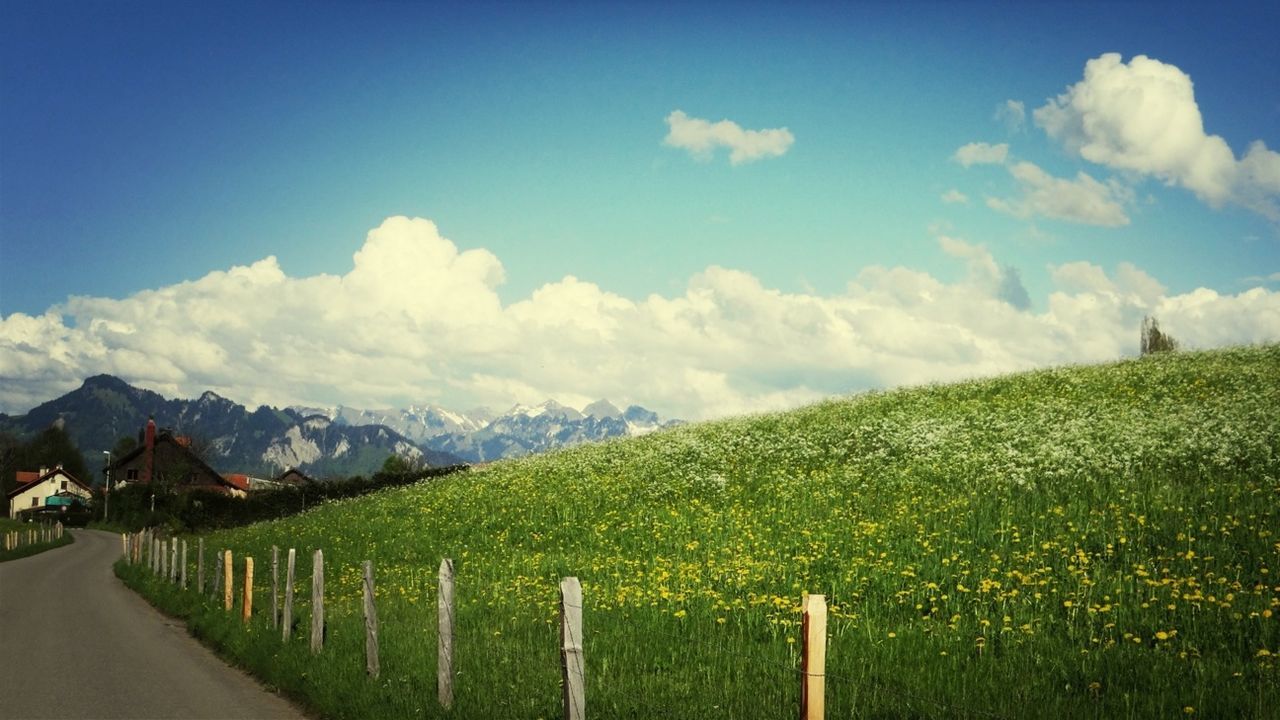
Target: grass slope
(8, 525)
(1078, 542)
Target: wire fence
(706, 662)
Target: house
(293, 476)
(46, 488)
(167, 460)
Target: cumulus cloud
(701, 138)
(1003, 282)
(1013, 113)
(1142, 116)
(417, 320)
(980, 153)
(954, 196)
(1080, 200)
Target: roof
(35, 478)
(238, 481)
(293, 471)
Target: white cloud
(980, 153)
(954, 196)
(1143, 117)
(701, 138)
(416, 320)
(1012, 113)
(1081, 200)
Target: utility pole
(106, 496)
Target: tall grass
(1078, 542)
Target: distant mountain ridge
(262, 442)
(480, 436)
(323, 442)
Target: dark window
(35, 502)
(132, 474)
(64, 484)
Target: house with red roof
(46, 488)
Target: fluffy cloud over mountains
(415, 320)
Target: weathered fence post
(275, 586)
(155, 555)
(287, 621)
(184, 564)
(247, 608)
(200, 566)
(317, 602)
(217, 575)
(444, 660)
(813, 664)
(229, 579)
(370, 624)
(164, 559)
(571, 660)
(173, 564)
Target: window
(64, 484)
(35, 501)
(132, 474)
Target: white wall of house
(35, 494)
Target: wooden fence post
(217, 574)
(444, 659)
(571, 651)
(155, 554)
(247, 605)
(275, 586)
(200, 566)
(229, 579)
(164, 559)
(370, 624)
(287, 621)
(184, 564)
(173, 563)
(813, 665)
(317, 601)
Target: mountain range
(322, 442)
(481, 436)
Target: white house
(47, 487)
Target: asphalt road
(76, 643)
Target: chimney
(148, 456)
(43, 471)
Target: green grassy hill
(1078, 542)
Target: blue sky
(146, 145)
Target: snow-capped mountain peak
(478, 435)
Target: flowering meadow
(1080, 542)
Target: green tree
(48, 449)
(1154, 341)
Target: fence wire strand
(717, 647)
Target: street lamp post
(106, 496)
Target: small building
(293, 477)
(47, 488)
(249, 483)
(167, 460)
